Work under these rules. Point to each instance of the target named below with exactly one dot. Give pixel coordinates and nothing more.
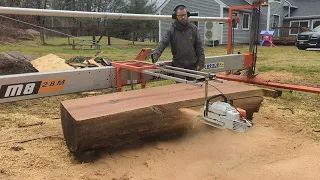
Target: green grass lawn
(283, 63)
(303, 64)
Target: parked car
(308, 39)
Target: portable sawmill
(86, 127)
(216, 113)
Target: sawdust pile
(15, 63)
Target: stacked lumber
(52, 62)
(49, 63)
(113, 119)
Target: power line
(124, 51)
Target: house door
(276, 23)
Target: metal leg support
(143, 80)
(205, 92)
(119, 79)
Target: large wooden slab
(113, 119)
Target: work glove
(154, 61)
(199, 68)
(160, 63)
(155, 56)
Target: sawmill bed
(114, 119)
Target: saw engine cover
(222, 115)
(224, 109)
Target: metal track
(84, 14)
(156, 73)
(35, 85)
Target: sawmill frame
(35, 85)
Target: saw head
(222, 115)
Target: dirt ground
(203, 153)
(279, 146)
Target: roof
(235, 2)
(287, 4)
(305, 7)
(162, 6)
(226, 2)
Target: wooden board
(117, 118)
(49, 63)
(92, 61)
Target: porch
(287, 35)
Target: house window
(195, 22)
(246, 20)
(315, 23)
(235, 26)
(304, 23)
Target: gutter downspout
(268, 17)
(221, 28)
(289, 13)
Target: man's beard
(183, 22)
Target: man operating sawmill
(186, 45)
